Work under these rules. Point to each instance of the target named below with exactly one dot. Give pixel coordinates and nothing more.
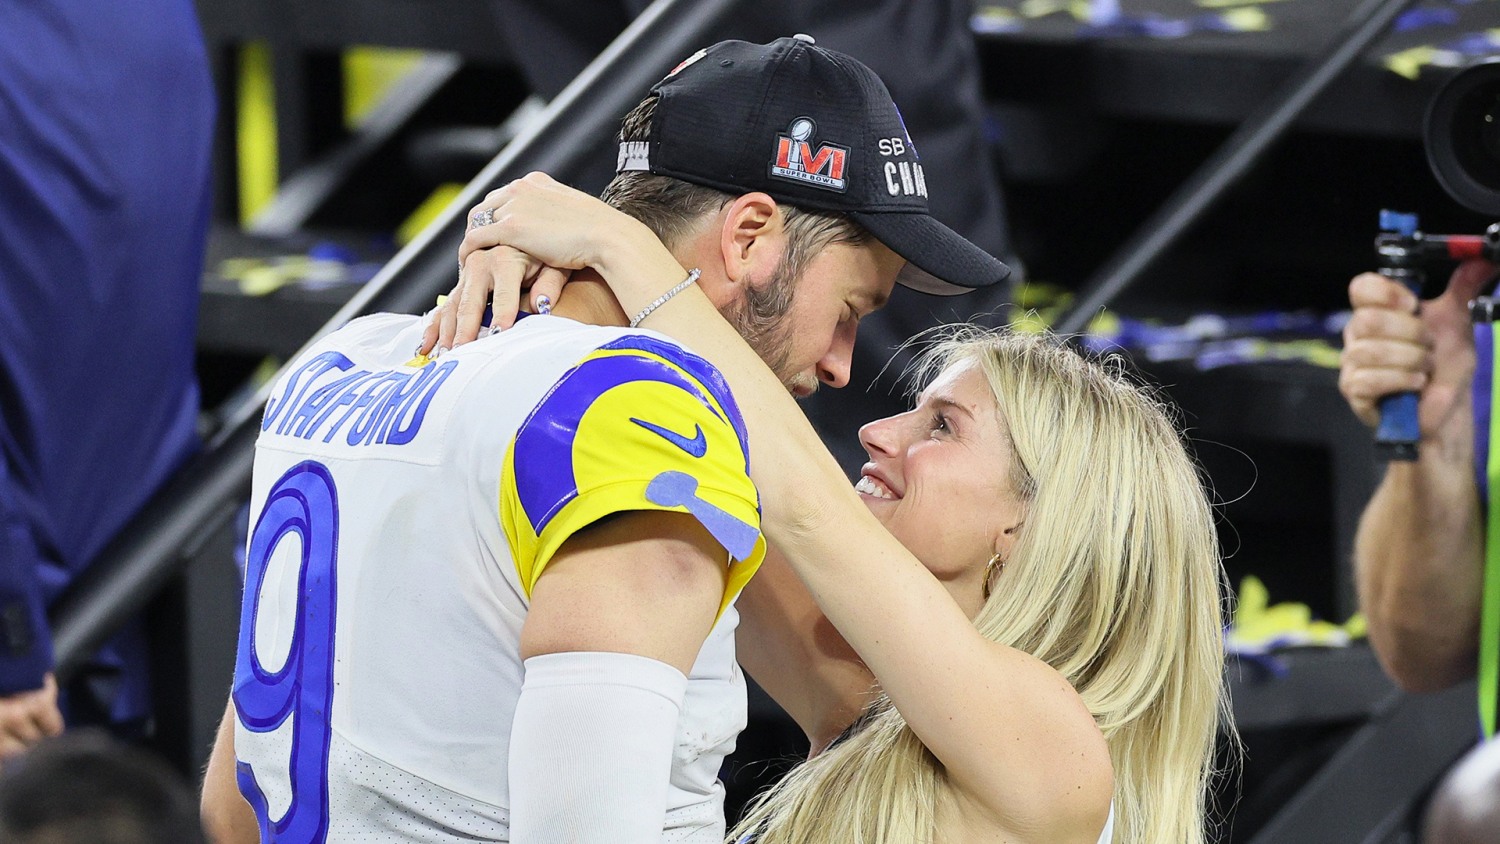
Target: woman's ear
(1006, 541)
(752, 239)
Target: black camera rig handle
(1403, 250)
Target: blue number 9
(304, 502)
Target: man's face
(804, 328)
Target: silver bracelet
(692, 276)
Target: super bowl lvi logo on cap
(796, 159)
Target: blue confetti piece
(993, 24)
(327, 250)
(1267, 665)
(1473, 44)
(1425, 17)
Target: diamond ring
(482, 217)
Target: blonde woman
(1028, 567)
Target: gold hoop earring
(994, 567)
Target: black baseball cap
(813, 128)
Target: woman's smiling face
(939, 479)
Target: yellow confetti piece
(1029, 322)
(1356, 627)
(1225, 4)
(1105, 323)
(266, 371)
(1040, 294)
(990, 17)
(265, 280)
(1409, 63)
(255, 129)
(1257, 622)
(235, 268)
(370, 74)
(1042, 8)
(1249, 19)
(261, 277)
(1316, 352)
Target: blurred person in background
(1465, 808)
(106, 127)
(1419, 550)
(86, 788)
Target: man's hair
(84, 788)
(671, 207)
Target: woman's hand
(499, 275)
(541, 231)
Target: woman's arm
(1011, 732)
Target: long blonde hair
(1114, 581)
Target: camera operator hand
(1417, 552)
(1389, 348)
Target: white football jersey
(401, 511)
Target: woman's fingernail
(543, 303)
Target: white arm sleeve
(591, 748)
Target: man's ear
(752, 238)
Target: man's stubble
(760, 316)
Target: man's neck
(587, 299)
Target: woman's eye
(939, 423)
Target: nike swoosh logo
(696, 446)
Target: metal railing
(1235, 158)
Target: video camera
(1461, 134)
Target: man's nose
(833, 367)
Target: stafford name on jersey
(379, 407)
